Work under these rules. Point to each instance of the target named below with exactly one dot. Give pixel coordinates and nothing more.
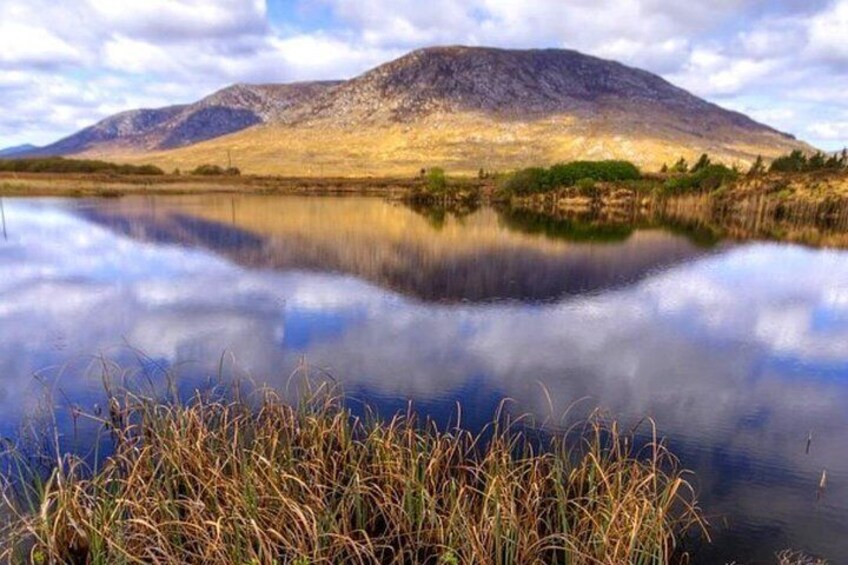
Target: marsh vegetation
(251, 479)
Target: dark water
(738, 351)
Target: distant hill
(464, 108)
(226, 111)
(17, 150)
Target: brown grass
(260, 481)
(797, 558)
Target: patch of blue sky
(306, 326)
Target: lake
(738, 350)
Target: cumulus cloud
(182, 20)
(785, 57)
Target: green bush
(757, 168)
(797, 162)
(528, 181)
(437, 181)
(567, 174)
(702, 164)
(62, 165)
(707, 179)
(536, 180)
(681, 166)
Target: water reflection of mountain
(737, 355)
(478, 257)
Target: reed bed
(789, 557)
(262, 481)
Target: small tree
(681, 166)
(792, 163)
(816, 162)
(437, 181)
(702, 163)
(664, 168)
(758, 168)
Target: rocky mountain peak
(509, 84)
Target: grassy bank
(79, 185)
(264, 482)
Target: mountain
(463, 108)
(511, 85)
(226, 111)
(17, 150)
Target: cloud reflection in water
(737, 354)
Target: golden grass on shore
(52, 184)
(213, 481)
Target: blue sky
(65, 64)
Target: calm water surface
(738, 351)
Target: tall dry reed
(262, 481)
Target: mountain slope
(509, 84)
(17, 150)
(226, 111)
(463, 108)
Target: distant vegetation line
(591, 179)
(62, 165)
(680, 178)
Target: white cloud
(827, 32)
(23, 44)
(786, 56)
(832, 130)
(182, 20)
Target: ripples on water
(739, 350)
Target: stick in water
(822, 484)
(3, 215)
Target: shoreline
(815, 187)
(82, 185)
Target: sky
(65, 64)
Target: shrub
(707, 179)
(757, 168)
(793, 163)
(702, 163)
(797, 162)
(215, 170)
(567, 174)
(528, 181)
(535, 180)
(437, 181)
(681, 166)
(62, 165)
